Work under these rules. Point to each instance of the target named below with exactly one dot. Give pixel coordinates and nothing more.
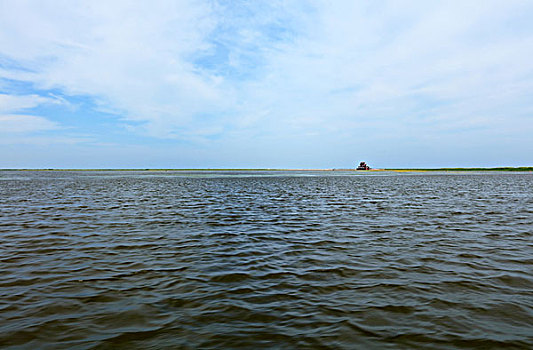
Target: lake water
(281, 260)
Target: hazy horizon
(279, 84)
(211, 169)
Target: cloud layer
(292, 83)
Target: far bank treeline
(523, 168)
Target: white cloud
(19, 128)
(12, 121)
(15, 103)
(132, 58)
(362, 64)
(17, 123)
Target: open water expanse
(255, 260)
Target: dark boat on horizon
(363, 166)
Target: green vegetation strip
(524, 168)
(265, 169)
(141, 169)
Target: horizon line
(498, 168)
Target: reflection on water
(278, 260)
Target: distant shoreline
(267, 169)
(468, 169)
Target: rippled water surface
(282, 260)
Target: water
(281, 260)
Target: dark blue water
(281, 260)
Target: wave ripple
(160, 260)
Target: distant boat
(363, 166)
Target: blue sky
(278, 84)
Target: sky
(265, 84)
